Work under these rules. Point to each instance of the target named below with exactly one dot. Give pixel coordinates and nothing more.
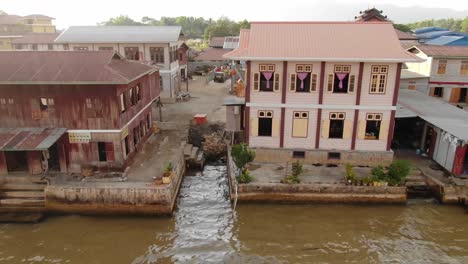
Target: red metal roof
(217, 42)
(69, 67)
(212, 54)
(21, 139)
(318, 41)
(36, 38)
(443, 51)
(404, 36)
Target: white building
(155, 45)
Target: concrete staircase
(22, 198)
(416, 185)
(193, 155)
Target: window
(442, 67)
(438, 92)
(336, 125)
(126, 147)
(19, 46)
(266, 80)
(105, 48)
(50, 46)
(34, 47)
(138, 92)
(334, 155)
(43, 107)
(464, 67)
(131, 53)
(45, 103)
(301, 81)
(298, 154)
(66, 47)
(412, 85)
(106, 151)
(135, 136)
(80, 48)
(157, 54)
(123, 100)
(340, 81)
(300, 124)
(133, 97)
(313, 86)
(265, 123)
(378, 79)
(373, 122)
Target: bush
(169, 167)
(350, 173)
(378, 173)
(245, 176)
(241, 155)
(297, 168)
(397, 171)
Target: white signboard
(79, 137)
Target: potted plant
(168, 172)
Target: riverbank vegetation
(242, 155)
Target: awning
(29, 139)
(233, 100)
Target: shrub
(245, 176)
(378, 173)
(241, 155)
(169, 167)
(297, 168)
(397, 171)
(350, 173)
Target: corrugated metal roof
(216, 42)
(443, 40)
(212, 54)
(68, 67)
(318, 41)
(428, 29)
(120, 34)
(21, 139)
(233, 100)
(437, 112)
(36, 38)
(404, 35)
(443, 51)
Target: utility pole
(187, 71)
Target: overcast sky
(90, 12)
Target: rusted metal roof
(322, 41)
(36, 138)
(404, 35)
(69, 67)
(216, 42)
(36, 38)
(442, 51)
(212, 54)
(10, 19)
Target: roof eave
(326, 59)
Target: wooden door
(455, 95)
(432, 144)
(459, 160)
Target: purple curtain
(302, 76)
(341, 76)
(267, 76)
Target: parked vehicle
(219, 77)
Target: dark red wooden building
(63, 110)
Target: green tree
(464, 25)
(122, 20)
(402, 27)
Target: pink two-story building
(325, 92)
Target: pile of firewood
(214, 147)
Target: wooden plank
(188, 149)
(22, 202)
(23, 194)
(22, 187)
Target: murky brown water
(206, 230)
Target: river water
(205, 229)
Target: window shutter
(331, 78)
(275, 127)
(325, 128)
(277, 82)
(254, 126)
(256, 82)
(362, 129)
(292, 82)
(384, 126)
(348, 129)
(300, 127)
(313, 83)
(352, 79)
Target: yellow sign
(124, 132)
(79, 137)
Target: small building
(155, 45)
(449, 41)
(439, 130)
(447, 69)
(414, 81)
(36, 23)
(66, 110)
(183, 55)
(440, 36)
(38, 41)
(325, 99)
(219, 46)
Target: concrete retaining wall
(138, 198)
(447, 193)
(355, 158)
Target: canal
(205, 229)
